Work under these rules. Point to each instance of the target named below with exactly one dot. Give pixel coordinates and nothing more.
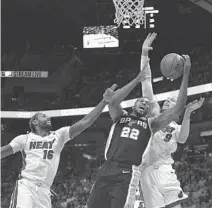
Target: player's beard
(46, 127)
(140, 113)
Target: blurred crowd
(196, 181)
(84, 87)
(79, 165)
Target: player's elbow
(182, 140)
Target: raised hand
(147, 45)
(109, 93)
(196, 104)
(187, 63)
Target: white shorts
(160, 187)
(29, 195)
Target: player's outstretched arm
(115, 109)
(173, 114)
(6, 151)
(147, 89)
(16, 145)
(185, 127)
(90, 118)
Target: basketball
(171, 66)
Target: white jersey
(41, 155)
(163, 144)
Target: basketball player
(117, 180)
(41, 150)
(159, 183)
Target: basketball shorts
(115, 190)
(29, 195)
(160, 187)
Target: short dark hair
(31, 125)
(143, 98)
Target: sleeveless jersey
(127, 140)
(41, 155)
(163, 144)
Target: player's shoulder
(124, 114)
(61, 131)
(52, 133)
(176, 125)
(21, 138)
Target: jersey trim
(180, 201)
(133, 185)
(145, 156)
(23, 154)
(109, 139)
(13, 202)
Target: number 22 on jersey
(130, 133)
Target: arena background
(46, 37)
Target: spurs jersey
(163, 144)
(128, 139)
(41, 155)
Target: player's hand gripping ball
(172, 65)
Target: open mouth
(166, 106)
(141, 108)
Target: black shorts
(114, 188)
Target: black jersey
(127, 140)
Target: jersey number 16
(48, 154)
(130, 133)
